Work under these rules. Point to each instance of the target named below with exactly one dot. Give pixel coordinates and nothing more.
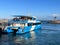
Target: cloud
(57, 15)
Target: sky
(43, 9)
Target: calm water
(48, 35)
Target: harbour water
(48, 35)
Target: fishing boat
(22, 24)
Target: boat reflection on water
(16, 39)
(26, 38)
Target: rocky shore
(3, 20)
(55, 22)
(2, 24)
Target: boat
(22, 24)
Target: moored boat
(22, 24)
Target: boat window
(8, 24)
(25, 18)
(16, 19)
(33, 18)
(31, 24)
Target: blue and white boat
(22, 24)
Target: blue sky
(39, 8)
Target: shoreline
(54, 22)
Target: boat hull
(24, 30)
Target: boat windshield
(22, 18)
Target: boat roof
(23, 16)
